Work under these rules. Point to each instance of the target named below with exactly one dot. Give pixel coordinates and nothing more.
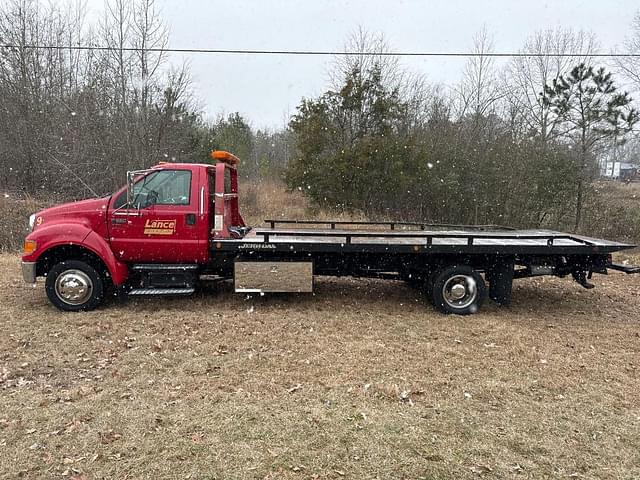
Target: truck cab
(152, 232)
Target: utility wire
(316, 52)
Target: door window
(164, 187)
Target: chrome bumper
(29, 272)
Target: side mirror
(131, 180)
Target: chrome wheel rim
(460, 291)
(74, 287)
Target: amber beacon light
(226, 157)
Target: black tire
(74, 286)
(472, 285)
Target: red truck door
(166, 224)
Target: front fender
(79, 235)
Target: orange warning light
(225, 157)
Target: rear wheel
(73, 285)
(458, 289)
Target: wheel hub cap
(73, 287)
(460, 291)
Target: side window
(165, 187)
(212, 185)
(227, 181)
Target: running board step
(154, 267)
(162, 291)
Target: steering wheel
(152, 198)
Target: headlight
(32, 221)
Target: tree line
(74, 121)
(519, 145)
(515, 144)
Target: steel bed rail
(392, 225)
(550, 238)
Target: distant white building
(620, 170)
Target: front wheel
(458, 289)
(74, 285)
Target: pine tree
(591, 111)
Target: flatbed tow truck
(176, 224)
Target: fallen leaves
(4, 374)
(296, 414)
(481, 469)
(126, 396)
(156, 347)
(295, 388)
(405, 396)
(108, 437)
(221, 350)
(73, 474)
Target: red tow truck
(176, 224)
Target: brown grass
(269, 199)
(359, 380)
(613, 212)
(14, 219)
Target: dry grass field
(359, 380)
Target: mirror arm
(130, 189)
(131, 176)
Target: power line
(316, 52)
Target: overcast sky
(266, 89)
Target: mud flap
(580, 276)
(500, 278)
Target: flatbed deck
(451, 263)
(415, 238)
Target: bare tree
(478, 91)
(115, 32)
(150, 37)
(88, 115)
(526, 76)
(630, 66)
(372, 52)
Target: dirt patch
(360, 380)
